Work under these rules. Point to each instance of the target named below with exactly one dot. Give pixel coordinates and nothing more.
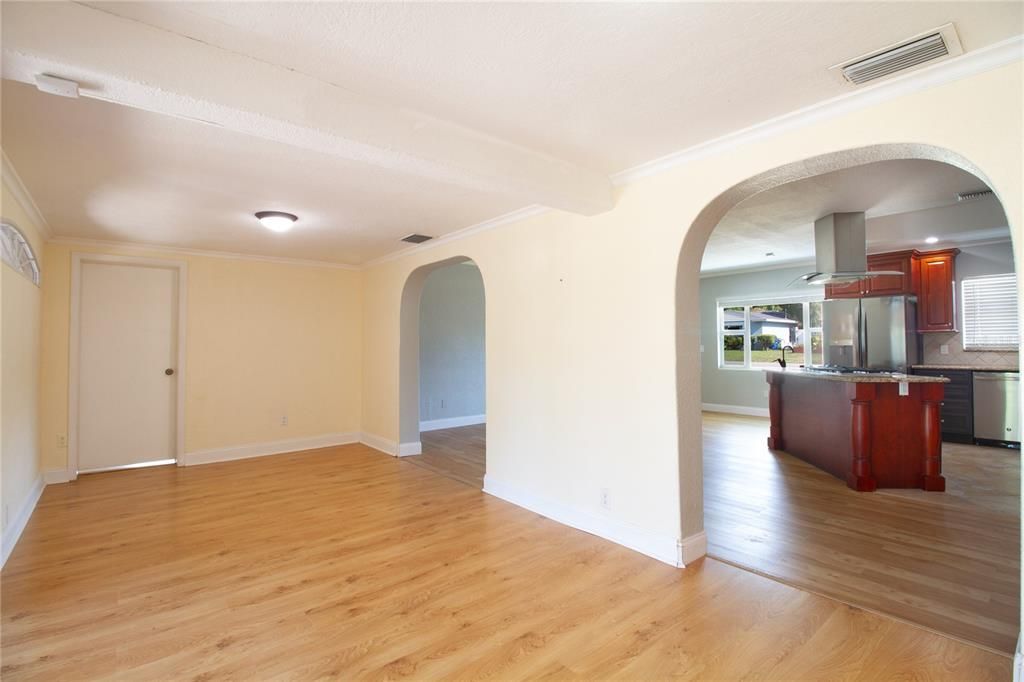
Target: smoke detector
(416, 238)
(924, 48)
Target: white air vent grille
(927, 47)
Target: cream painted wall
(589, 385)
(19, 367)
(263, 340)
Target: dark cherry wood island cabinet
(859, 428)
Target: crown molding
(965, 66)
(24, 197)
(227, 255)
(970, 64)
(514, 216)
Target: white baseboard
(407, 449)
(388, 447)
(58, 476)
(278, 447)
(1018, 662)
(736, 409)
(664, 548)
(453, 422)
(693, 547)
(17, 524)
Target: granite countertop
(967, 367)
(861, 378)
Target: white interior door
(128, 337)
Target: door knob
(168, 371)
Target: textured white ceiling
(599, 87)
(102, 171)
(607, 85)
(905, 202)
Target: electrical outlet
(766, 393)
(944, 349)
(605, 502)
(284, 420)
(62, 440)
(702, 348)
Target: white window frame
(748, 302)
(1014, 344)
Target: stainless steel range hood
(840, 250)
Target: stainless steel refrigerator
(870, 333)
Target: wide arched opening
(442, 392)
(946, 560)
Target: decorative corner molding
(17, 524)
(56, 476)
(692, 548)
(24, 197)
(970, 64)
(280, 447)
(735, 409)
(453, 422)
(202, 253)
(388, 447)
(664, 548)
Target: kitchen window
(751, 334)
(990, 312)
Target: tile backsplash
(931, 342)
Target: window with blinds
(990, 312)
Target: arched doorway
(772, 556)
(442, 370)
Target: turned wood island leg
(860, 477)
(933, 480)
(775, 412)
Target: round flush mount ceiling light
(276, 221)
(931, 240)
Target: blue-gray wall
(452, 343)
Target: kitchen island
(870, 430)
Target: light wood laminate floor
(457, 453)
(948, 561)
(345, 562)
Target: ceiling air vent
(416, 238)
(939, 43)
(967, 196)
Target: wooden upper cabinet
(883, 285)
(936, 300)
(892, 285)
(845, 290)
(930, 276)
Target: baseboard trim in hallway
(735, 409)
(664, 548)
(280, 447)
(17, 524)
(453, 422)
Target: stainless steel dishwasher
(997, 406)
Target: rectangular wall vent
(939, 43)
(967, 196)
(416, 238)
